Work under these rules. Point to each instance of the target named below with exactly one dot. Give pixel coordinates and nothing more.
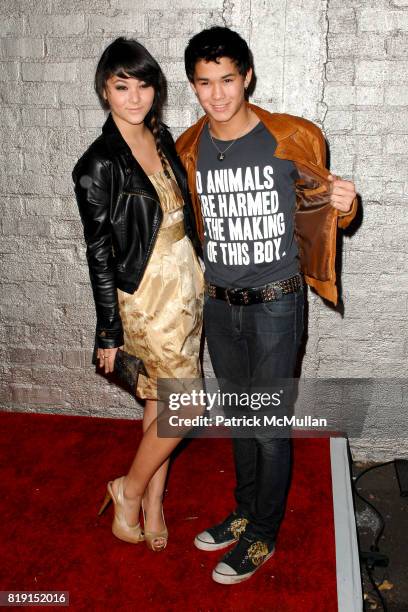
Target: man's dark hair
(209, 45)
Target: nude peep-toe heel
(120, 527)
(152, 537)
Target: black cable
(375, 587)
(374, 547)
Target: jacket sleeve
(92, 181)
(343, 218)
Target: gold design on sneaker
(257, 552)
(238, 526)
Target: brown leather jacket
(316, 220)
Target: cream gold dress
(162, 320)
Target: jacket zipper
(142, 193)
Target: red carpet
(53, 475)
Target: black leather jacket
(121, 215)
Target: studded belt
(255, 295)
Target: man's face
(220, 88)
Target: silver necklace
(221, 154)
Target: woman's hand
(107, 358)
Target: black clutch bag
(126, 367)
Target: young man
(267, 211)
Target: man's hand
(342, 193)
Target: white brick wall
(341, 63)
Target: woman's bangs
(147, 75)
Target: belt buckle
(269, 293)
(227, 296)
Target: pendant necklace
(221, 154)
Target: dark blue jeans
(250, 345)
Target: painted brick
(340, 95)
(76, 48)
(338, 121)
(92, 118)
(37, 395)
(396, 95)
(340, 70)
(67, 117)
(32, 94)
(363, 45)
(11, 115)
(381, 72)
(25, 184)
(34, 117)
(68, 229)
(181, 22)
(397, 46)
(77, 6)
(134, 24)
(51, 207)
(176, 46)
(22, 47)
(9, 71)
(69, 25)
(173, 117)
(12, 26)
(174, 71)
(396, 145)
(163, 5)
(381, 121)
(71, 93)
(370, 96)
(49, 72)
(382, 21)
(342, 20)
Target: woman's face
(129, 99)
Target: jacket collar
(118, 146)
(276, 123)
(114, 138)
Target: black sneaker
(223, 534)
(239, 563)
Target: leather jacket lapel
(136, 179)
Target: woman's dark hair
(209, 45)
(128, 58)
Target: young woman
(147, 283)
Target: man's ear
(193, 87)
(248, 78)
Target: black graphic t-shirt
(248, 205)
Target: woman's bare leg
(152, 453)
(153, 495)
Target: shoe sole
(208, 546)
(226, 579)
